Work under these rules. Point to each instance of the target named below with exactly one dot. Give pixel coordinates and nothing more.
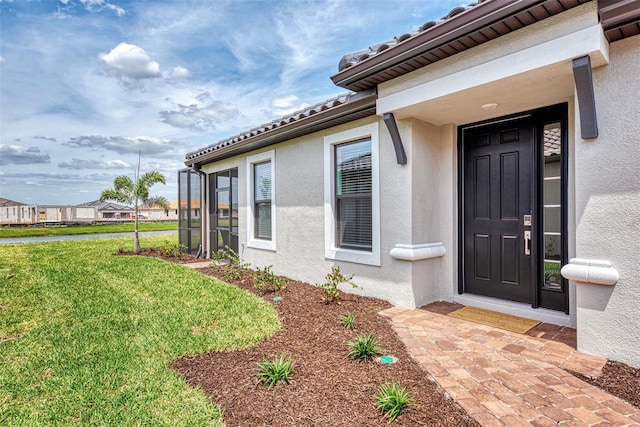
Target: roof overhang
(619, 18)
(476, 25)
(355, 106)
(530, 78)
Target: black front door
(498, 204)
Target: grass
(125, 227)
(95, 334)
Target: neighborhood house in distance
(489, 158)
(12, 212)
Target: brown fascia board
(614, 13)
(359, 103)
(451, 29)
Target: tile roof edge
(456, 23)
(307, 115)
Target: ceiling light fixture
(490, 106)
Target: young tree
(134, 193)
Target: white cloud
(2, 60)
(286, 105)
(130, 63)
(180, 72)
(149, 146)
(202, 114)
(100, 5)
(17, 155)
(94, 164)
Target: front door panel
(497, 194)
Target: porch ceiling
(535, 89)
(534, 77)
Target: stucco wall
(430, 159)
(300, 222)
(607, 199)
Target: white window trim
(331, 250)
(252, 241)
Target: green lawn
(85, 229)
(97, 334)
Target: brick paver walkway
(504, 378)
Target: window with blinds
(353, 194)
(262, 200)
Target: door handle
(527, 242)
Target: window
(353, 195)
(352, 202)
(261, 210)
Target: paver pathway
(504, 378)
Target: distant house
(12, 212)
(109, 210)
(489, 158)
(157, 213)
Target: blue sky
(85, 84)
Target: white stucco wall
(300, 219)
(607, 201)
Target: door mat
(495, 319)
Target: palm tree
(134, 193)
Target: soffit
(620, 19)
(462, 29)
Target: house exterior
(157, 213)
(490, 158)
(109, 210)
(12, 212)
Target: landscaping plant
(136, 191)
(364, 347)
(348, 320)
(266, 280)
(270, 372)
(330, 287)
(173, 250)
(235, 265)
(392, 399)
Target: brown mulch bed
(618, 379)
(159, 253)
(328, 388)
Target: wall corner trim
(593, 271)
(418, 252)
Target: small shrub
(364, 347)
(266, 280)
(392, 399)
(270, 372)
(348, 320)
(330, 287)
(236, 266)
(173, 250)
